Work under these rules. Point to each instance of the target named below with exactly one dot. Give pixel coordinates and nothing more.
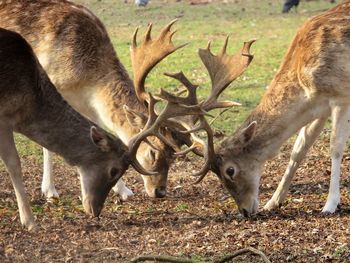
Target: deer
(31, 105)
(311, 85)
(75, 50)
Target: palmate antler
(148, 54)
(223, 69)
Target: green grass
(182, 207)
(241, 19)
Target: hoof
(126, 194)
(272, 205)
(49, 193)
(330, 208)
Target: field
(198, 222)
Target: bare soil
(195, 221)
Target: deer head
(101, 169)
(110, 161)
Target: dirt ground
(196, 221)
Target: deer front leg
(47, 186)
(305, 140)
(121, 189)
(9, 155)
(340, 134)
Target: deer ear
(135, 118)
(100, 139)
(248, 133)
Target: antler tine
(134, 39)
(152, 115)
(209, 154)
(246, 48)
(148, 54)
(192, 148)
(167, 28)
(208, 46)
(147, 36)
(224, 47)
(223, 69)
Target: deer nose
(160, 192)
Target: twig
(219, 114)
(109, 248)
(184, 260)
(244, 251)
(161, 259)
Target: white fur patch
(44, 59)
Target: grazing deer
(312, 84)
(73, 47)
(31, 105)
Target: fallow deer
(74, 48)
(31, 106)
(312, 84)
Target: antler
(223, 69)
(155, 122)
(209, 151)
(149, 53)
(190, 99)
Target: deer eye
(114, 173)
(230, 171)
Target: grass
(182, 207)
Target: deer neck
(60, 129)
(115, 91)
(285, 108)
(101, 100)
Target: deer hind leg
(339, 136)
(9, 155)
(304, 141)
(47, 186)
(123, 191)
